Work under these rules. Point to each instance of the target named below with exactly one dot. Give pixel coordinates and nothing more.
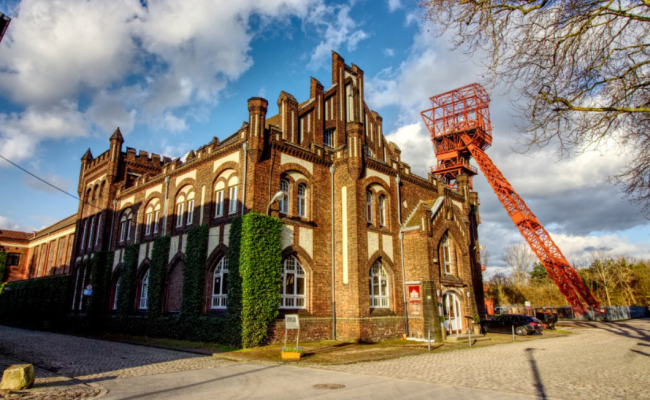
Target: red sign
(413, 293)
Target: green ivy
(233, 313)
(101, 282)
(126, 295)
(260, 269)
(157, 276)
(35, 300)
(196, 255)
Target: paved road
(598, 361)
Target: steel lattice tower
(459, 123)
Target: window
(328, 138)
(90, 235)
(190, 212)
(378, 286)
(179, 214)
(369, 207)
(382, 210)
(83, 236)
(144, 289)
(284, 201)
(148, 224)
(218, 199)
(232, 205)
(12, 259)
(302, 200)
(122, 230)
(129, 220)
(220, 284)
(156, 219)
(293, 284)
(446, 254)
(117, 291)
(99, 224)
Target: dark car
(523, 324)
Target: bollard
(429, 339)
(470, 336)
(513, 333)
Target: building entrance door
(451, 308)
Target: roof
(15, 235)
(64, 223)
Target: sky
(173, 74)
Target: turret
(257, 107)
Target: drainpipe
(164, 232)
(243, 205)
(332, 169)
(401, 245)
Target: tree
(582, 69)
(520, 259)
(539, 274)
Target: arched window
(293, 284)
(369, 206)
(185, 205)
(302, 200)
(90, 234)
(284, 201)
(447, 255)
(116, 292)
(382, 210)
(220, 284)
(125, 225)
(378, 286)
(144, 289)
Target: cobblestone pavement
(89, 360)
(599, 361)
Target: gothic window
(447, 254)
(382, 210)
(125, 225)
(152, 214)
(232, 200)
(220, 285)
(190, 212)
(284, 201)
(378, 286)
(218, 201)
(148, 223)
(294, 283)
(328, 138)
(185, 205)
(302, 200)
(90, 235)
(369, 207)
(144, 291)
(179, 214)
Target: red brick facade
(347, 193)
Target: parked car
(523, 324)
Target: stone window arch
(185, 207)
(152, 217)
(225, 192)
(126, 222)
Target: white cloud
(570, 196)
(54, 179)
(394, 5)
(6, 223)
(134, 64)
(389, 52)
(337, 29)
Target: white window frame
(232, 200)
(99, 224)
(218, 200)
(148, 223)
(369, 206)
(379, 282)
(220, 299)
(122, 230)
(446, 255)
(90, 235)
(382, 210)
(180, 213)
(302, 200)
(156, 221)
(129, 222)
(190, 211)
(292, 269)
(144, 292)
(284, 201)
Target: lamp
(276, 197)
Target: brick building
(360, 230)
(38, 254)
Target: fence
(613, 313)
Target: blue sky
(172, 74)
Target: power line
(46, 182)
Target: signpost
(527, 304)
(291, 321)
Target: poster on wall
(414, 294)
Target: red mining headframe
(459, 123)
